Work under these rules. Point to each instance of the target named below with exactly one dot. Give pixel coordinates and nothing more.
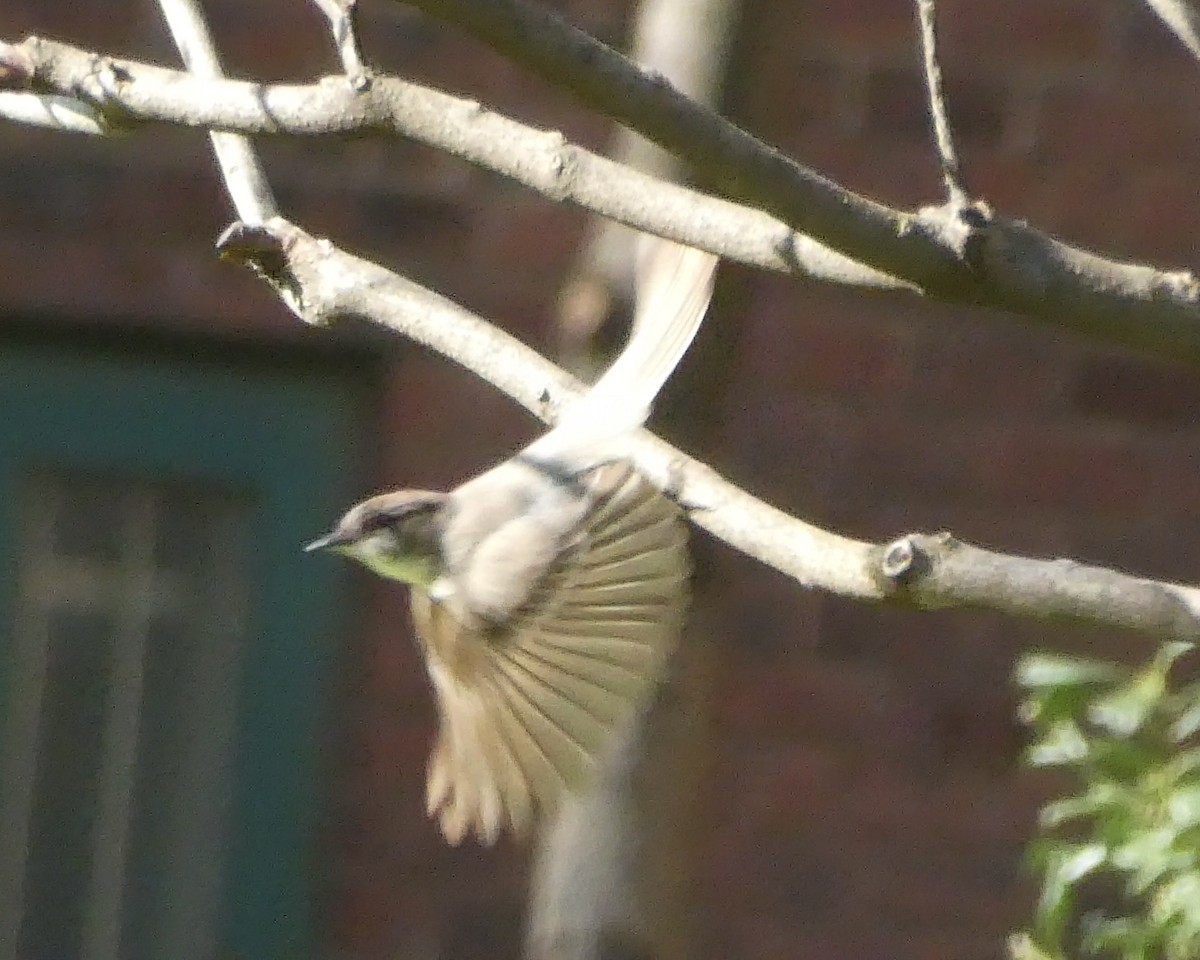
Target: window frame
(285, 437)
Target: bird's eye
(374, 522)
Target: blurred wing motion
(527, 705)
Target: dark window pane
(134, 592)
(88, 517)
(74, 701)
(185, 541)
(184, 782)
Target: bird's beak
(329, 540)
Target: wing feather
(596, 688)
(560, 752)
(550, 694)
(539, 773)
(622, 510)
(527, 707)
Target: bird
(548, 592)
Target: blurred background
(214, 745)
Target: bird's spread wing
(527, 705)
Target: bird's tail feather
(674, 287)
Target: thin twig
(341, 15)
(243, 174)
(66, 114)
(956, 194)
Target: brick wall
(877, 746)
(863, 786)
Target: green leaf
(1099, 799)
(1183, 806)
(1063, 744)
(1183, 766)
(1147, 857)
(1126, 711)
(1133, 815)
(1059, 687)
(1168, 653)
(1188, 721)
(1036, 671)
(1174, 910)
(1066, 865)
(1122, 935)
(1078, 863)
(1125, 761)
(1021, 946)
(1177, 901)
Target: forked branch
(322, 284)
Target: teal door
(165, 652)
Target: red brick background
(864, 791)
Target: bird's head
(396, 535)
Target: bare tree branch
(57, 113)
(65, 113)
(323, 284)
(344, 31)
(1005, 264)
(956, 193)
(243, 174)
(954, 255)
(720, 153)
(544, 161)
